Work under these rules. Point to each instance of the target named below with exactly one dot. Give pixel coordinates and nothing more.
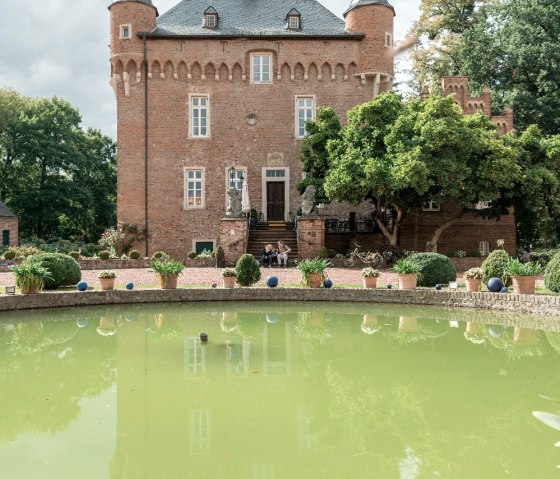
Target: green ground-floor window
(204, 245)
(6, 238)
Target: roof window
(210, 18)
(294, 19)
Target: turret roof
(4, 210)
(358, 3)
(250, 18)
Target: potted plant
(523, 275)
(107, 279)
(30, 276)
(313, 272)
(370, 276)
(167, 271)
(473, 279)
(407, 272)
(229, 277)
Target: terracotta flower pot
(107, 284)
(31, 290)
(167, 282)
(229, 282)
(473, 328)
(473, 285)
(408, 324)
(370, 283)
(407, 281)
(314, 280)
(524, 284)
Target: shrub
(220, 253)
(159, 255)
(312, 266)
(436, 268)
(204, 254)
(331, 253)
(229, 273)
(517, 268)
(473, 273)
(404, 266)
(323, 252)
(64, 270)
(370, 273)
(542, 257)
(24, 251)
(552, 274)
(247, 269)
(191, 255)
(104, 254)
(494, 266)
(106, 274)
(9, 255)
(134, 254)
(74, 254)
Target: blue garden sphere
(495, 285)
(82, 286)
(327, 283)
(438, 287)
(272, 281)
(389, 286)
(505, 289)
(82, 323)
(129, 285)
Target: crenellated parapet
(459, 87)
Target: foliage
(229, 273)
(106, 274)
(166, 267)
(552, 274)
(323, 252)
(370, 273)
(247, 269)
(74, 254)
(515, 267)
(312, 266)
(104, 254)
(24, 251)
(57, 177)
(436, 268)
(542, 257)
(59, 245)
(191, 255)
(64, 270)
(9, 255)
(495, 266)
(474, 273)
(134, 254)
(119, 240)
(220, 253)
(405, 266)
(159, 255)
(30, 275)
(204, 254)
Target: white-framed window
(430, 206)
(388, 39)
(199, 115)
(305, 110)
(194, 187)
(293, 22)
(211, 21)
(275, 173)
(239, 176)
(261, 68)
(482, 205)
(125, 31)
(200, 431)
(484, 248)
(195, 357)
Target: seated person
(269, 254)
(282, 254)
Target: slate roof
(4, 211)
(250, 18)
(358, 3)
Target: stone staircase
(271, 232)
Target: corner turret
(374, 18)
(128, 19)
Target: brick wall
(11, 224)
(310, 236)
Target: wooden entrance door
(275, 201)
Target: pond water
(284, 390)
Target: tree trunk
(432, 244)
(392, 236)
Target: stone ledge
(529, 304)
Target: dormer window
(210, 18)
(294, 19)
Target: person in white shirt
(282, 253)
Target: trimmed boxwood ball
(64, 270)
(104, 254)
(74, 254)
(9, 255)
(82, 286)
(327, 283)
(494, 266)
(495, 285)
(272, 281)
(247, 269)
(435, 268)
(134, 254)
(552, 274)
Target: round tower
(128, 19)
(374, 18)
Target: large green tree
(59, 179)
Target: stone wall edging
(530, 304)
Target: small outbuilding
(9, 224)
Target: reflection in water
(280, 393)
(474, 332)
(107, 326)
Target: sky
(60, 48)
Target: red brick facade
(252, 127)
(10, 224)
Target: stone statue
(308, 202)
(234, 202)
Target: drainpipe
(146, 146)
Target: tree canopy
(58, 178)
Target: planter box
(200, 263)
(88, 264)
(468, 262)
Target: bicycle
(368, 258)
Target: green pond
(279, 391)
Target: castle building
(214, 93)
